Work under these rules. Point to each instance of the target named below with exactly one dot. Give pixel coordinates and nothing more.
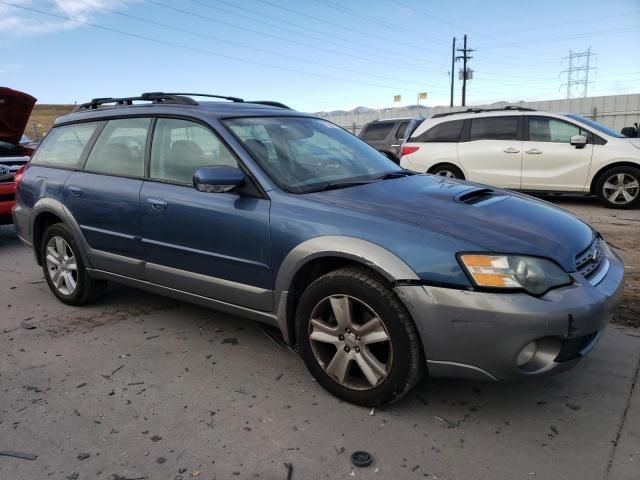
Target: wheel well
(40, 225)
(445, 164)
(597, 176)
(307, 275)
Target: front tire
(357, 339)
(619, 187)
(64, 269)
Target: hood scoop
(480, 197)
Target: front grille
(589, 261)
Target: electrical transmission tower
(578, 73)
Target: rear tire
(619, 187)
(369, 352)
(64, 269)
(447, 170)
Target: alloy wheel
(446, 173)
(621, 188)
(350, 342)
(61, 265)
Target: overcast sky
(314, 54)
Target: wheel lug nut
(341, 337)
(358, 349)
(346, 349)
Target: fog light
(527, 353)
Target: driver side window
(180, 147)
(544, 129)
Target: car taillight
(408, 150)
(19, 174)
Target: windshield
(593, 124)
(306, 154)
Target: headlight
(535, 275)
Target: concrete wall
(615, 111)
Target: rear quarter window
(64, 146)
(377, 131)
(446, 132)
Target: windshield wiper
(336, 185)
(395, 174)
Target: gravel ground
(137, 386)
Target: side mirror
(217, 179)
(578, 141)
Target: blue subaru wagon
(376, 273)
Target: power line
(198, 50)
(343, 27)
(379, 22)
(248, 29)
(344, 43)
(241, 45)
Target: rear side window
(446, 132)
(377, 131)
(180, 147)
(120, 148)
(63, 146)
(494, 128)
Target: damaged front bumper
(508, 336)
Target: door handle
(533, 151)
(157, 204)
(75, 190)
(511, 150)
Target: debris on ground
(83, 456)
(361, 459)
(24, 456)
(289, 470)
(231, 341)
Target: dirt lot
(137, 386)
(621, 229)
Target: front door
(214, 245)
(491, 150)
(550, 162)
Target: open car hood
(15, 109)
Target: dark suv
(375, 272)
(387, 135)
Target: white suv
(524, 149)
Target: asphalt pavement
(137, 386)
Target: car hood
(15, 109)
(495, 220)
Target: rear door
(490, 150)
(550, 162)
(211, 244)
(104, 198)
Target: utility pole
(453, 67)
(467, 74)
(578, 73)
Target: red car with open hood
(15, 109)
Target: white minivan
(524, 149)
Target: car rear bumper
(479, 335)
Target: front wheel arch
(599, 173)
(445, 165)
